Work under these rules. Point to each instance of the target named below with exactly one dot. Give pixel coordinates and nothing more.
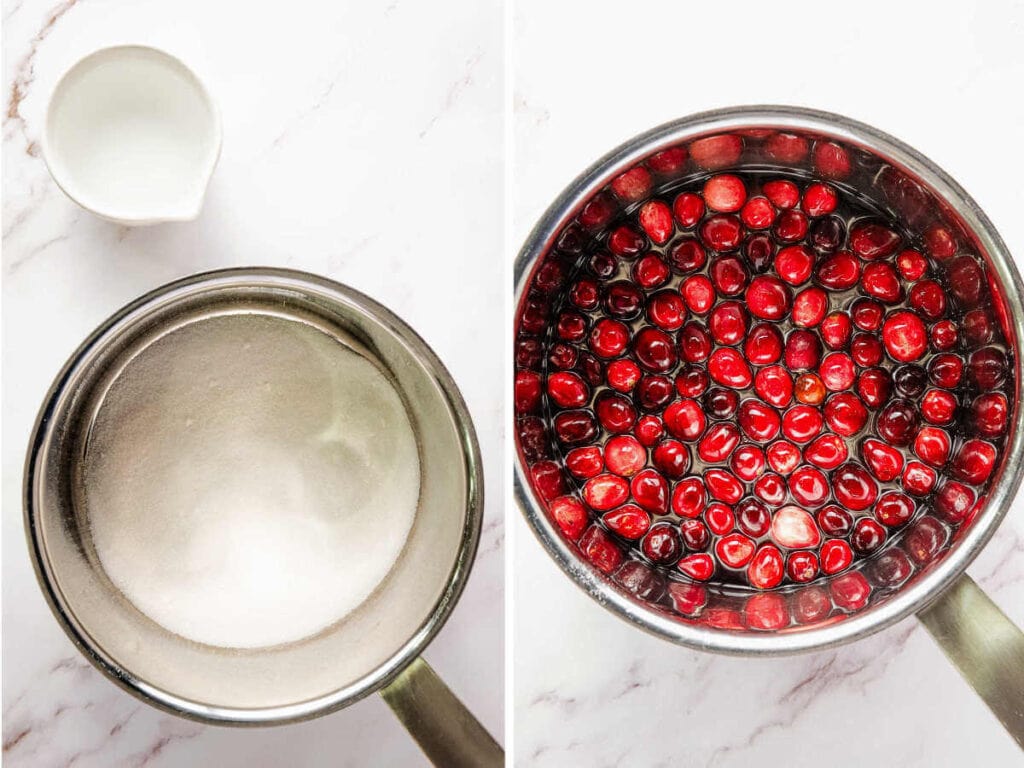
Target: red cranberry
(850, 592)
(605, 492)
(685, 419)
(687, 256)
(839, 272)
(567, 390)
(953, 501)
(699, 566)
(766, 569)
(698, 293)
(666, 310)
(729, 275)
(802, 423)
(977, 327)
(672, 458)
(802, 567)
(654, 350)
(940, 242)
(897, 423)
(945, 371)
(625, 242)
(837, 372)
(692, 381)
(638, 579)
(694, 343)
(974, 461)
(649, 430)
(597, 212)
(585, 462)
(653, 392)
(836, 329)
(831, 160)
(569, 515)
(836, 556)
(809, 307)
(774, 386)
(727, 367)
(835, 521)
(668, 161)
(688, 497)
(719, 441)
(809, 487)
(912, 265)
(965, 280)
(563, 356)
(932, 446)
(867, 536)
(650, 271)
(719, 518)
(794, 264)
(599, 549)
(572, 427)
(609, 338)
(929, 299)
(881, 282)
(783, 456)
(872, 241)
(721, 403)
(763, 345)
(687, 598)
(650, 491)
(533, 438)
(770, 488)
(629, 521)
(854, 488)
(758, 421)
(734, 550)
(787, 149)
(527, 391)
(722, 232)
(874, 386)
(688, 209)
(987, 368)
(728, 323)
(758, 213)
(827, 452)
(528, 352)
(845, 414)
(938, 407)
(867, 314)
(783, 193)
(656, 219)
(615, 412)
(894, 509)
(918, 479)
(723, 486)
(591, 368)
(747, 462)
(695, 535)
(661, 545)
(904, 336)
(791, 226)
(622, 375)
(803, 350)
(767, 298)
(716, 152)
(547, 479)
(925, 539)
(884, 461)
(891, 568)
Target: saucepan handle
(985, 646)
(446, 731)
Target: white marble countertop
(592, 691)
(361, 142)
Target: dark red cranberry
(654, 350)
(827, 234)
(672, 458)
(650, 271)
(835, 521)
(687, 256)
(910, 380)
(763, 345)
(661, 544)
(694, 343)
(867, 314)
(791, 226)
(988, 368)
(603, 265)
(729, 275)
(721, 403)
(626, 242)
(974, 461)
(854, 488)
(623, 300)
(874, 386)
(867, 536)
(722, 232)
(897, 422)
(654, 392)
(759, 252)
(929, 299)
(599, 549)
(574, 427)
(695, 535)
(894, 509)
(615, 412)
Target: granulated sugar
(250, 481)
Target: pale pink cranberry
(853, 487)
(716, 152)
(802, 567)
(687, 256)
(599, 549)
(688, 497)
(698, 293)
(766, 569)
(845, 414)
(774, 385)
(819, 199)
(688, 209)
(884, 461)
(748, 462)
(718, 442)
(624, 455)
(629, 521)
(763, 345)
(974, 461)
(827, 451)
(622, 375)
(569, 515)
(633, 185)
(801, 423)
(757, 213)
(725, 193)
(650, 491)
(880, 281)
(609, 338)
(794, 528)
(839, 272)
(666, 310)
(783, 456)
(605, 492)
(661, 545)
(734, 550)
(912, 265)
(567, 390)
(938, 407)
(783, 193)
(728, 323)
(656, 219)
(699, 566)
